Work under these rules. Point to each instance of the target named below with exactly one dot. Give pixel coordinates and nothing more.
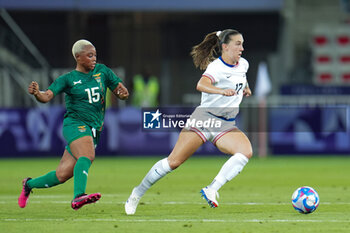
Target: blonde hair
(79, 46)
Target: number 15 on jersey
(93, 94)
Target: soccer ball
(305, 200)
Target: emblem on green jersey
(82, 128)
(97, 77)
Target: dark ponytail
(206, 51)
(203, 53)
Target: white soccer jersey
(225, 76)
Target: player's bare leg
(237, 144)
(187, 143)
(64, 170)
(233, 142)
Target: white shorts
(208, 126)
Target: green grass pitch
(257, 200)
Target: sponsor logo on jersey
(77, 82)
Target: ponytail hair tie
(218, 33)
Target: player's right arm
(41, 96)
(205, 85)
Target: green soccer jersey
(86, 93)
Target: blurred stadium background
(299, 54)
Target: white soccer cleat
(131, 204)
(210, 196)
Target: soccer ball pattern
(305, 200)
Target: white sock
(159, 170)
(229, 170)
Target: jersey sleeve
(59, 85)
(210, 73)
(112, 79)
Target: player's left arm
(247, 92)
(121, 91)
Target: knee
(173, 164)
(248, 153)
(63, 176)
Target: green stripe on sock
(81, 170)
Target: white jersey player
(223, 85)
(225, 76)
(220, 107)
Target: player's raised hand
(121, 91)
(33, 88)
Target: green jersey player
(85, 89)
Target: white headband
(218, 33)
